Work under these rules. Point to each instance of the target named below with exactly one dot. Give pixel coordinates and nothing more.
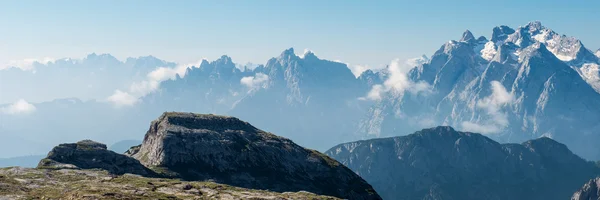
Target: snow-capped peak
(597, 53)
(563, 47)
(534, 26)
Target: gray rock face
(230, 151)
(589, 191)
(441, 163)
(87, 154)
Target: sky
(370, 33)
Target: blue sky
(356, 32)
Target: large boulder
(88, 154)
(230, 151)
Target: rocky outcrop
(230, 151)
(589, 191)
(88, 154)
(442, 163)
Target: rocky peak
(287, 54)
(228, 150)
(224, 60)
(589, 191)
(370, 78)
(466, 36)
(88, 154)
(500, 33)
(102, 59)
(534, 26)
(149, 61)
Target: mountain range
(520, 84)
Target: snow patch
(590, 72)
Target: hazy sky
(356, 32)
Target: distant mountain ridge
(95, 76)
(441, 163)
(518, 85)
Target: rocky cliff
(230, 151)
(441, 163)
(589, 191)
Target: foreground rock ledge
(26, 183)
(230, 151)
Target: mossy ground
(26, 183)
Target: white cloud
(254, 81)
(152, 83)
(397, 82)
(497, 120)
(375, 93)
(26, 64)
(120, 98)
(499, 97)
(19, 107)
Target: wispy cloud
(151, 84)
(255, 81)
(120, 98)
(492, 105)
(19, 107)
(397, 81)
